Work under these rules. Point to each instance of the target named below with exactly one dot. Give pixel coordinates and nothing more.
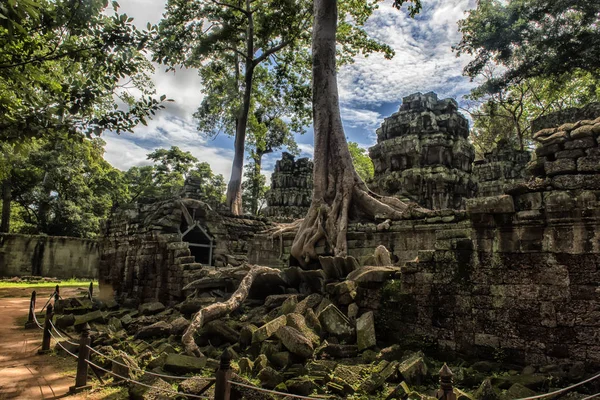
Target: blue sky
(370, 89)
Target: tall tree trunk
(234, 187)
(337, 187)
(6, 202)
(256, 181)
(44, 207)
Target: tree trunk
(337, 187)
(234, 187)
(256, 182)
(6, 202)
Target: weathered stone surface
(268, 329)
(179, 325)
(365, 331)
(295, 341)
(423, 154)
(281, 359)
(269, 378)
(298, 322)
(89, 317)
(310, 302)
(335, 322)
(491, 205)
(182, 364)
(154, 389)
(413, 370)
(151, 308)
(502, 167)
(125, 366)
(302, 386)
(246, 365)
(291, 188)
(159, 329)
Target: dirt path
(23, 373)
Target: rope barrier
(35, 318)
(61, 346)
(62, 337)
(296, 396)
(48, 301)
(541, 396)
(141, 370)
(194, 396)
(592, 396)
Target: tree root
(218, 310)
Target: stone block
(491, 205)
(335, 322)
(268, 329)
(560, 166)
(295, 341)
(182, 364)
(365, 331)
(588, 164)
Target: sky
(370, 89)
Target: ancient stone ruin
(499, 169)
(291, 188)
(423, 153)
(511, 280)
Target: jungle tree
(229, 40)
(338, 190)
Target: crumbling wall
(500, 169)
(145, 256)
(423, 153)
(52, 256)
(291, 188)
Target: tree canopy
(68, 65)
(531, 38)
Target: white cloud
(307, 150)
(424, 60)
(360, 118)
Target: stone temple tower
(423, 153)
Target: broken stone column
(423, 153)
(501, 168)
(291, 188)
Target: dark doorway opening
(201, 244)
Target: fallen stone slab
(182, 364)
(268, 329)
(159, 329)
(151, 308)
(365, 331)
(335, 322)
(295, 341)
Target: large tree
(531, 38)
(339, 192)
(229, 41)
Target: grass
(63, 283)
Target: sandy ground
(23, 373)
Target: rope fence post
(445, 392)
(222, 385)
(30, 321)
(56, 293)
(91, 290)
(82, 361)
(47, 326)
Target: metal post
(82, 358)
(56, 293)
(445, 392)
(46, 339)
(222, 385)
(91, 290)
(30, 320)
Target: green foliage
(507, 115)
(68, 66)
(362, 162)
(531, 38)
(254, 188)
(167, 176)
(61, 186)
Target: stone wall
(501, 168)
(291, 188)
(590, 111)
(514, 278)
(147, 251)
(423, 153)
(51, 256)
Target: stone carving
(501, 167)
(423, 153)
(291, 188)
